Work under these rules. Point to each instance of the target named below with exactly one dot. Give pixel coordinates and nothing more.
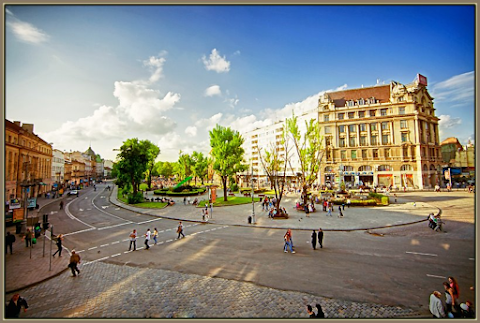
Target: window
(406, 168)
(328, 129)
(365, 168)
(387, 153)
(401, 110)
(373, 127)
(326, 118)
(412, 149)
(405, 152)
(375, 154)
(9, 138)
(403, 124)
(385, 125)
(351, 115)
(373, 140)
(350, 103)
(341, 116)
(372, 100)
(383, 112)
(342, 142)
(352, 128)
(364, 153)
(423, 152)
(348, 168)
(328, 141)
(383, 168)
(363, 140)
(372, 113)
(352, 142)
(354, 154)
(343, 154)
(361, 114)
(363, 127)
(341, 129)
(404, 137)
(361, 102)
(384, 139)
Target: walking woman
(59, 245)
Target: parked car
(73, 192)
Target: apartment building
(384, 135)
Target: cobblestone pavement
(105, 290)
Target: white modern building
(58, 168)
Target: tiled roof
(381, 93)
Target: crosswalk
(159, 243)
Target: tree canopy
(227, 153)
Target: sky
(99, 75)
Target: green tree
(309, 150)
(200, 166)
(227, 153)
(184, 165)
(132, 162)
(166, 169)
(153, 151)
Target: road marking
(149, 221)
(168, 230)
(100, 259)
(85, 230)
(92, 248)
(80, 251)
(161, 231)
(473, 259)
(428, 275)
(169, 240)
(116, 242)
(115, 255)
(70, 215)
(114, 226)
(104, 245)
(422, 254)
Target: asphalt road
(399, 266)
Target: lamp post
(253, 201)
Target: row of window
(362, 127)
(367, 168)
(352, 140)
(362, 114)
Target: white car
(73, 192)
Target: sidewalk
(30, 266)
(24, 271)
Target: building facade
(382, 136)
(58, 169)
(28, 162)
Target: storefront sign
(32, 202)
(15, 204)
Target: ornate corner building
(385, 135)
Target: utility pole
(253, 200)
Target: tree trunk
(224, 181)
(304, 190)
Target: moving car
(73, 192)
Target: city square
(178, 166)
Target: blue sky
(103, 74)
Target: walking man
(28, 238)
(180, 230)
(288, 242)
(314, 240)
(9, 240)
(15, 305)
(340, 215)
(61, 205)
(329, 208)
(133, 241)
(155, 234)
(320, 237)
(59, 245)
(147, 238)
(74, 261)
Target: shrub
(234, 187)
(135, 198)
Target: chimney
(28, 127)
(18, 123)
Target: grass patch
(232, 200)
(152, 205)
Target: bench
(231, 194)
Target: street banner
(14, 204)
(32, 202)
(447, 174)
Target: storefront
(385, 180)
(365, 178)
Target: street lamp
(253, 201)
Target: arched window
(349, 168)
(425, 168)
(365, 168)
(432, 168)
(383, 168)
(406, 168)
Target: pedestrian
(436, 305)
(155, 235)
(180, 230)
(74, 261)
(310, 312)
(61, 205)
(15, 306)
(340, 215)
(184, 201)
(133, 241)
(320, 313)
(147, 238)
(188, 200)
(343, 205)
(211, 209)
(320, 237)
(59, 245)
(448, 300)
(467, 310)
(329, 210)
(288, 241)
(325, 206)
(348, 203)
(395, 195)
(314, 240)
(28, 238)
(9, 240)
(455, 292)
(77, 194)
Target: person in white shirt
(147, 238)
(133, 240)
(436, 305)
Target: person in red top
(455, 290)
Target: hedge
(168, 192)
(356, 202)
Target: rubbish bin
(250, 219)
(18, 228)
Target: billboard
(422, 79)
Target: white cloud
(209, 124)
(155, 64)
(9, 12)
(232, 102)
(26, 32)
(459, 89)
(213, 90)
(191, 131)
(216, 62)
(447, 121)
(236, 53)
